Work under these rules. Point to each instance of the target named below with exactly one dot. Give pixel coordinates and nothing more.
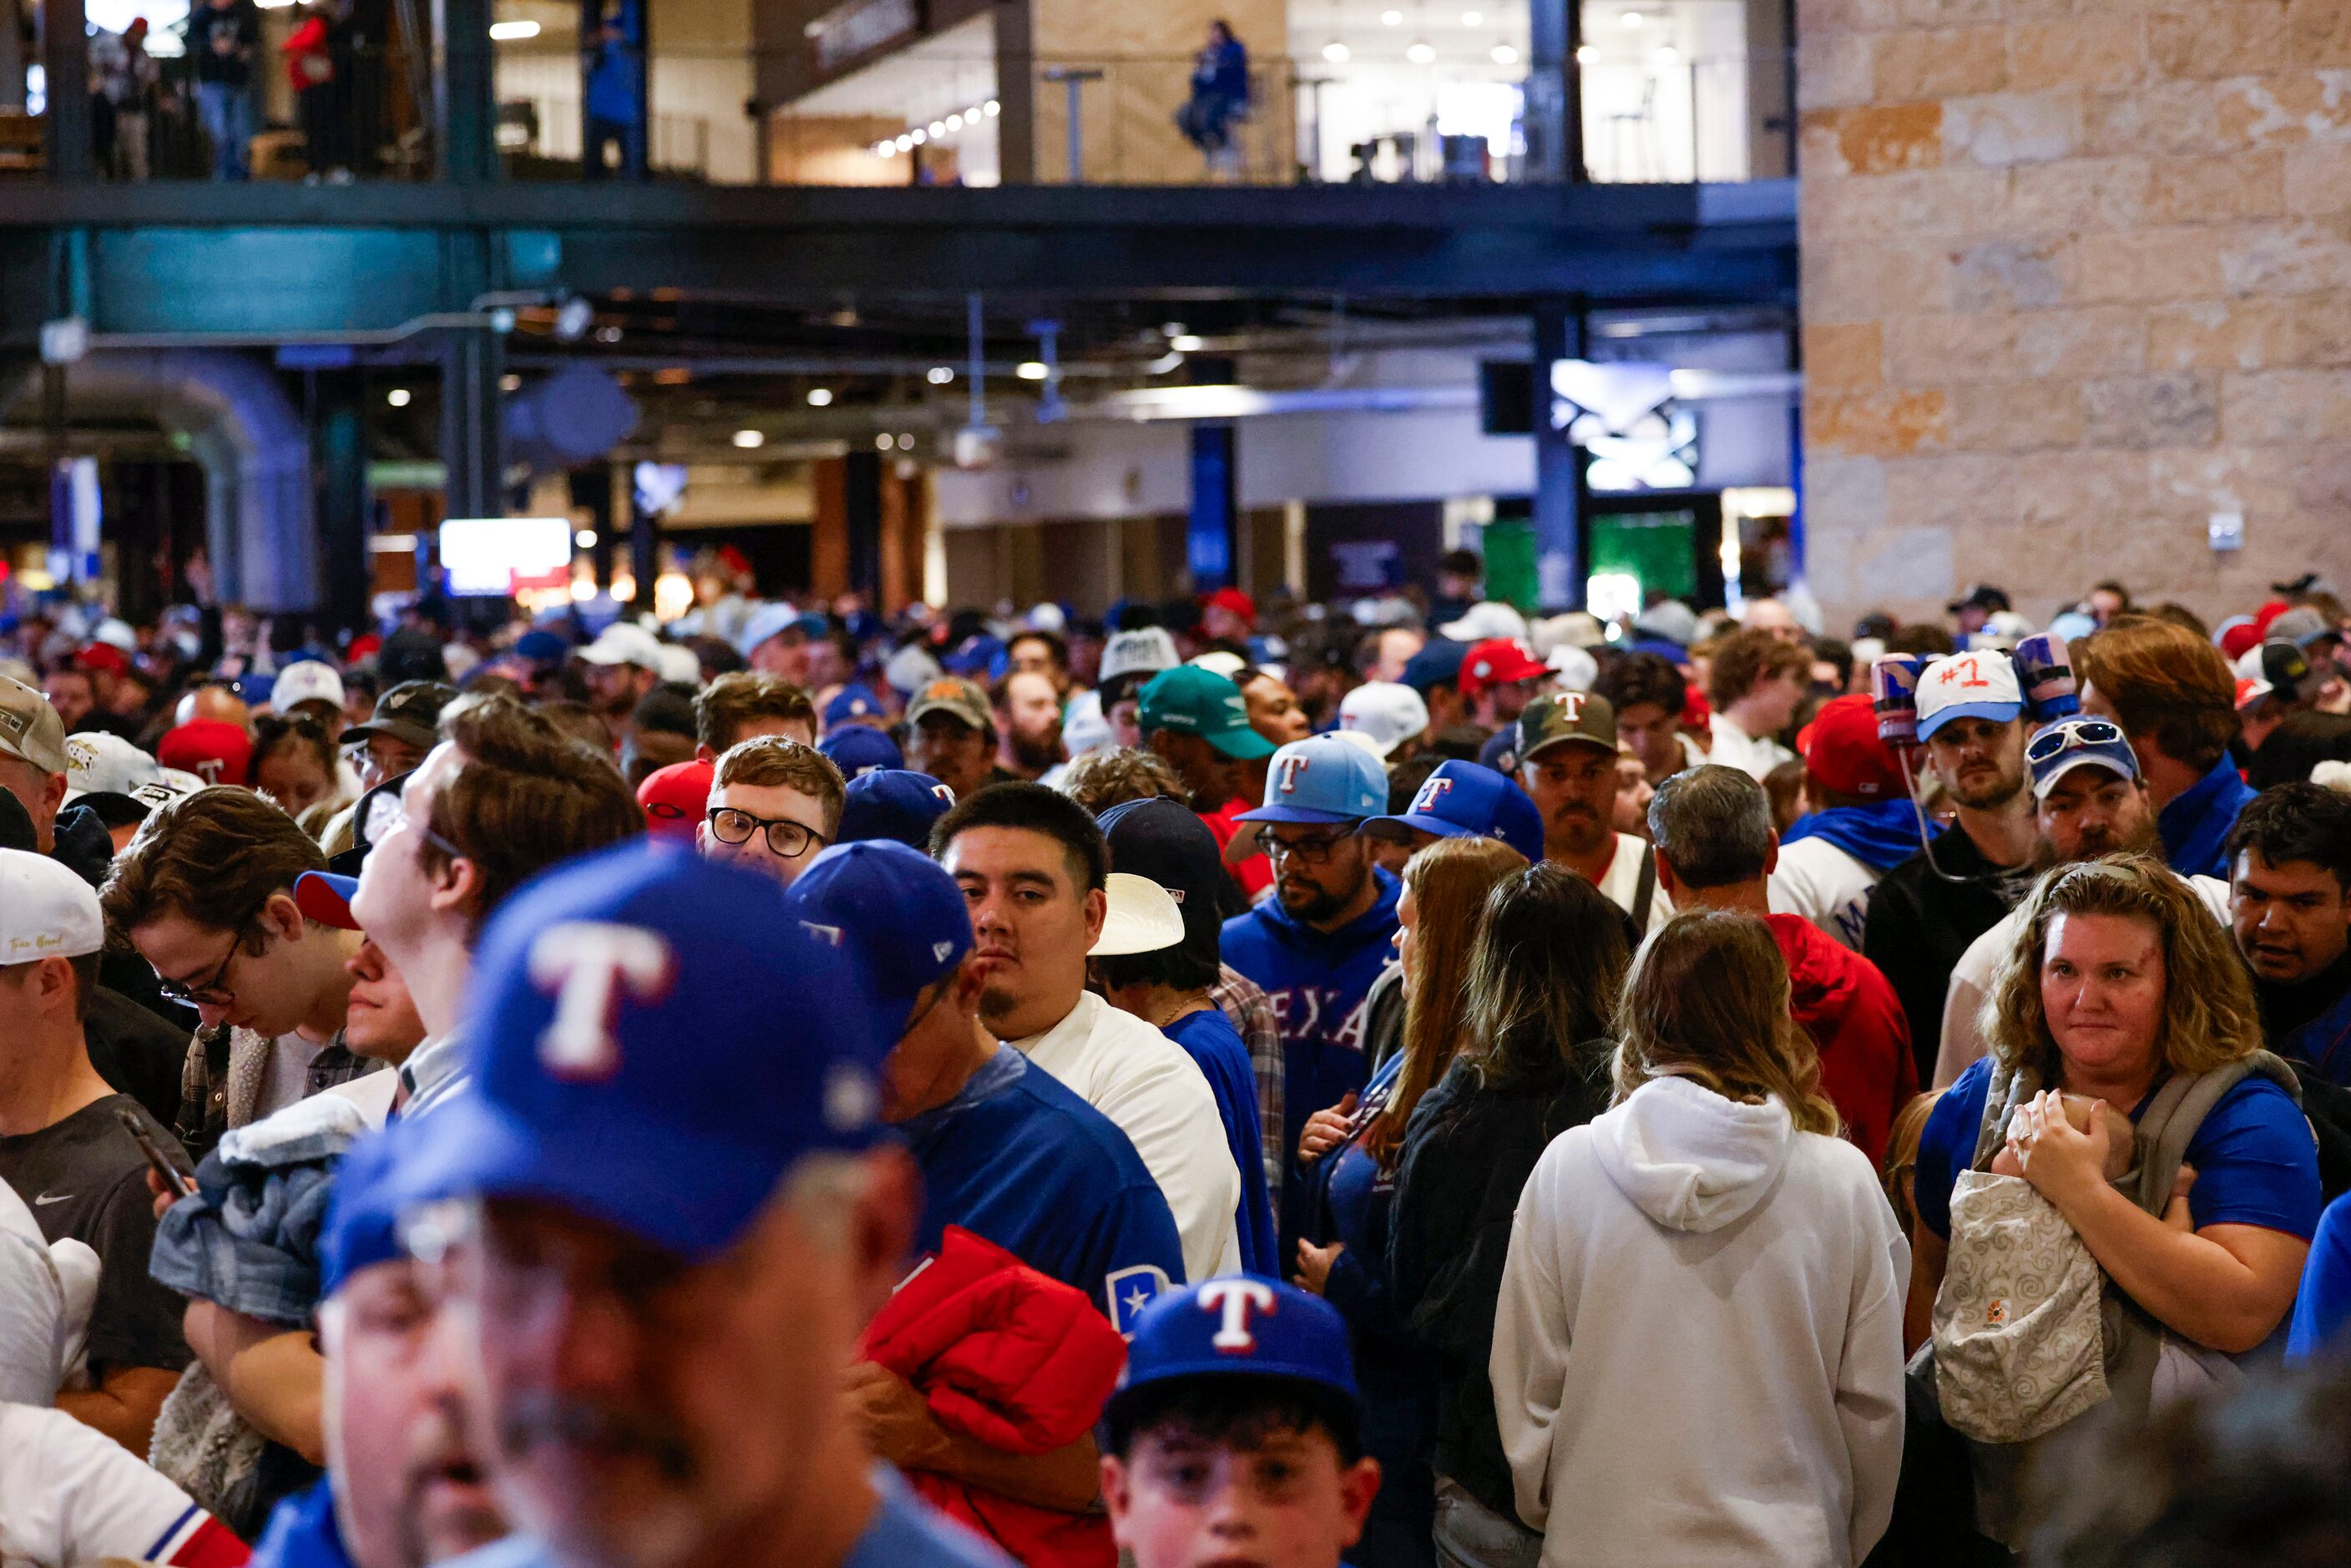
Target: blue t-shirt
(302, 1533)
(1211, 1041)
(2324, 1304)
(2255, 1162)
(2195, 826)
(1017, 1158)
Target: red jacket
(1841, 1001)
(1013, 1360)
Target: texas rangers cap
(1236, 1326)
(1566, 718)
(1968, 685)
(1498, 661)
(894, 910)
(854, 704)
(2080, 741)
(1842, 750)
(30, 730)
(677, 798)
(214, 749)
(1389, 712)
(645, 1051)
(45, 911)
(892, 803)
(860, 749)
(1469, 800)
(1191, 700)
(327, 898)
(362, 1223)
(1322, 778)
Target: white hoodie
(1697, 1350)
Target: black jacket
(1468, 1152)
(1918, 925)
(136, 1053)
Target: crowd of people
(1228, 1082)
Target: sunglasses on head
(2060, 739)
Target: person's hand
(893, 1419)
(164, 1197)
(1314, 1264)
(2175, 1213)
(2062, 1162)
(1326, 1130)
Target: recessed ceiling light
(819, 397)
(1473, 19)
(1337, 53)
(1029, 370)
(748, 440)
(1391, 19)
(939, 375)
(1421, 54)
(1186, 343)
(397, 397)
(1503, 54)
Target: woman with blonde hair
(1350, 1154)
(2121, 1010)
(1698, 1353)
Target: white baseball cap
(1577, 669)
(310, 680)
(1084, 728)
(1223, 660)
(1146, 651)
(98, 762)
(679, 663)
(623, 643)
(1141, 917)
(1387, 711)
(1486, 620)
(1976, 684)
(45, 911)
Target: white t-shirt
(1621, 885)
(70, 1495)
(1145, 1082)
(1734, 748)
(1963, 1044)
(1825, 885)
(32, 1308)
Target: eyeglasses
(2059, 738)
(1316, 851)
(789, 840)
(389, 814)
(212, 991)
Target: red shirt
(1256, 873)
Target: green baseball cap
(956, 697)
(1190, 700)
(1566, 718)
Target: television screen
(497, 556)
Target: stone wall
(2077, 277)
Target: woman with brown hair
(1698, 1349)
(1350, 1154)
(1544, 972)
(2120, 990)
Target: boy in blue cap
(669, 1214)
(1232, 1438)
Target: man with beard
(1567, 762)
(660, 1224)
(1033, 868)
(1323, 938)
(951, 736)
(1923, 914)
(620, 667)
(402, 1489)
(2290, 908)
(2089, 800)
(1029, 707)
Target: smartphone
(174, 1178)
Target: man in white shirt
(33, 1330)
(1032, 865)
(1567, 761)
(2089, 800)
(1755, 682)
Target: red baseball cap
(1696, 712)
(1842, 750)
(2239, 639)
(1498, 661)
(214, 749)
(1233, 599)
(103, 656)
(675, 798)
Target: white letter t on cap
(589, 964)
(1235, 1298)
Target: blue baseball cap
(645, 1053)
(892, 803)
(1237, 1327)
(1438, 661)
(775, 620)
(1322, 778)
(1470, 800)
(543, 647)
(2080, 741)
(892, 908)
(860, 749)
(852, 705)
(362, 1223)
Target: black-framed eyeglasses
(2060, 739)
(789, 840)
(1316, 851)
(212, 991)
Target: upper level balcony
(908, 93)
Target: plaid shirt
(1244, 1002)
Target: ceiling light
(510, 382)
(992, 106)
(955, 122)
(512, 32)
(1585, 54)
(1029, 370)
(608, 334)
(397, 397)
(905, 441)
(1473, 19)
(917, 136)
(1665, 55)
(885, 148)
(1421, 54)
(1187, 343)
(884, 443)
(939, 375)
(938, 128)
(1337, 53)
(1391, 19)
(585, 539)
(750, 440)
(1503, 54)
(819, 397)
(1630, 18)
(903, 143)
